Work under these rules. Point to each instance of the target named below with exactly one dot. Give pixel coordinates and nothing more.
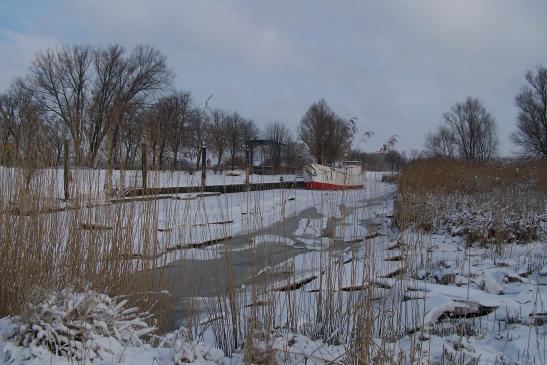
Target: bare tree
(441, 143)
(92, 92)
(474, 130)
(60, 83)
(56, 135)
(26, 139)
(394, 160)
(110, 66)
(531, 135)
(327, 135)
(218, 129)
(9, 133)
(233, 136)
(280, 135)
(154, 134)
(145, 74)
(198, 133)
(179, 123)
(296, 155)
(239, 131)
(249, 130)
(132, 135)
(174, 112)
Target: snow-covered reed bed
(95, 239)
(49, 243)
(486, 203)
(75, 244)
(502, 216)
(309, 277)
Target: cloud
(214, 30)
(396, 65)
(18, 50)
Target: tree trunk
(219, 160)
(160, 157)
(175, 154)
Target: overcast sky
(395, 65)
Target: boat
(347, 175)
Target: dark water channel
(236, 266)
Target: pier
(230, 188)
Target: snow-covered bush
(493, 217)
(187, 351)
(80, 326)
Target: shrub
(81, 326)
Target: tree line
(112, 103)
(468, 130)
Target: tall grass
(90, 241)
(112, 245)
(491, 201)
(445, 175)
(131, 248)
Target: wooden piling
(203, 165)
(247, 165)
(66, 171)
(144, 167)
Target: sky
(395, 65)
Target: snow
(272, 238)
(172, 348)
(438, 296)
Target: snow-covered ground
(420, 298)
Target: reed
(492, 202)
(445, 175)
(240, 293)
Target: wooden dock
(233, 188)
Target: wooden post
(247, 166)
(251, 156)
(203, 165)
(144, 168)
(66, 171)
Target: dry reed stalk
(44, 241)
(52, 250)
